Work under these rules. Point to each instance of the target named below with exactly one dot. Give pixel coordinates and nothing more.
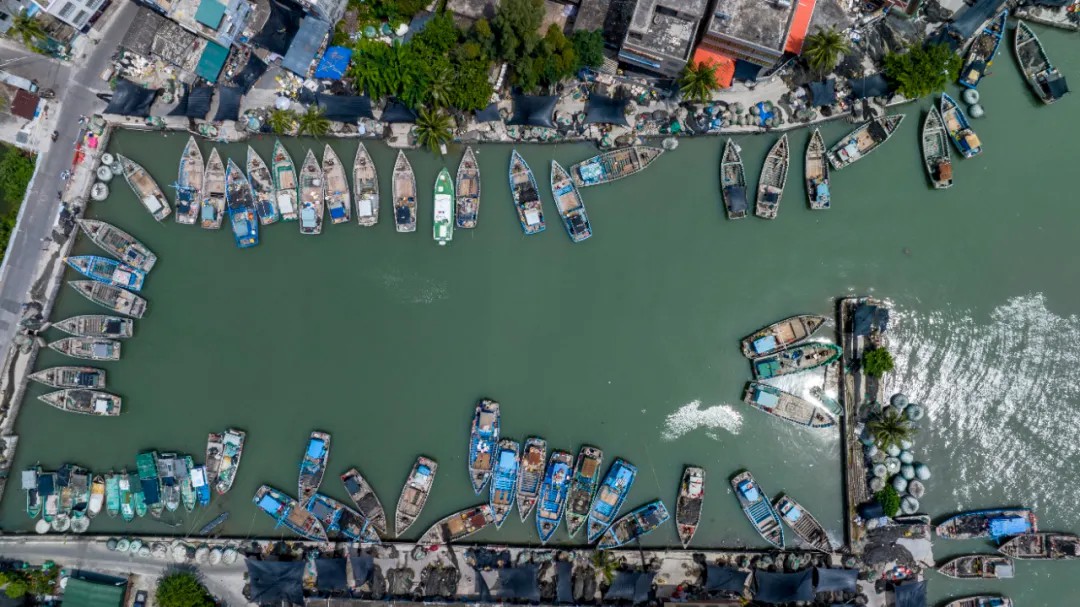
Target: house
(758, 32)
(76, 13)
(220, 21)
(661, 35)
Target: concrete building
(75, 13)
(758, 31)
(221, 21)
(661, 35)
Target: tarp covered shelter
(85, 593)
(251, 73)
(822, 93)
(835, 580)
(783, 587)
(970, 19)
(726, 579)
(532, 110)
(635, 586)
(344, 108)
(488, 114)
(396, 111)
(910, 594)
(228, 103)
(564, 582)
(330, 575)
(601, 109)
(280, 27)
(871, 86)
(363, 565)
(130, 99)
(333, 64)
(517, 583)
(211, 61)
(198, 101)
(276, 581)
(309, 37)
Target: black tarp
(744, 70)
(198, 102)
(735, 198)
(726, 579)
(277, 34)
(344, 108)
(783, 587)
(606, 110)
(363, 565)
(869, 318)
(870, 510)
(970, 19)
(330, 575)
(488, 114)
(180, 109)
(822, 93)
(564, 582)
(531, 110)
(397, 112)
(911, 594)
(870, 86)
(228, 104)
(251, 73)
(1057, 87)
(635, 586)
(517, 583)
(130, 99)
(276, 581)
(835, 580)
(1052, 3)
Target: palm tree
(439, 88)
(313, 122)
(434, 128)
(27, 29)
(605, 564)
(282, 121)
(824, 48)
(890, 428)
(698, 81)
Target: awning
(634, 586)
(333, 64)
(309, 37)
(228, 103)
(198, 101)
(84, 593)
(605, 110)
(363, 565)
(130, 99)
(532, 110)
(800, 23)
(330, 575)
(488, 114)
(251, 73)
(517, 583)
(210, 13)
(276, 581)
(783, 587)
(396, 111)
(564, 582)
(212, 60)
(280, 27)
(835, 580)
(345, 108)
(725, 66)
(910, 594)
(822, 93)
(726, 579)
(871, 86)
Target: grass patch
(16, 169)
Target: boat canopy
(1011, 525)
(423, 470)
(130, 99)
(315, 448)
(507, 460)
(910, 594)
(330, 575)
(770, 587)
(634, 586)
(765, 344)
(29, 479)
(307, 217)
(1056, 87)
(270, 505)
(835, 580)
(793, 513)
(749, 490)
(727, 579)
(735, 197)
(274, 582)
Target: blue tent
(334, 63)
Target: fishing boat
(610, 497)
(582, 487)
(551, 504)
(504, 481)
(30, 484)
(91, 348)
(113, 298)
(127, 498)
(50, 498)
(241, 201)
(859, 143)
(108, 271)
(483, 435)
(145, 188)
(733, 182)
(200, 485)
(956, 124)
(338, 203)
(214, 524)
(97, 496)
(1045, 79)
(796, 360)
(982, 600)
(312, 196)
(981, 53)
(404, 195)
(638, 523)
(189, 183)
(213, 201)
(467, 190)
(978, 566)
(67, 498)
(780, 335)
(773, 178)
(995, 523)
(138, 503)
(119, 244)
(149, 483)
(313, 465)
(262, 188)
(288, 513)
(526, 195)
(232, 447)
(97, 325)
(337, 518)
(530, 475)
(802, 523)
(366, 188)
(1042, 546)
(458, 526)
(414, 494)
(787, 406)
(935, 149)
(758, 510)
(569, 204)
(817, 172)
(214, 452)
(688, 505)
(443, 211)
(112, 494)
(285, 183)
(170, 485)
(71, 377)
(367, 502)
(86, 402)
(613, 165)
(188, 498)
(79, 482)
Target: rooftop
(472, 9)
(764, 23)
(591, 14)
(666, 26)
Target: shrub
(889, 500)
(877, 362)
(182, 589)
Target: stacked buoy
(894, 465)
(104, 173)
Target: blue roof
(305, 44)
(1013, 525)
(210, 13)
(334, 63)
(212, 60)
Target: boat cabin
(749, 491)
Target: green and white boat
(112, 494)
(138, 501)
(127, 497)
(444, 208)
(187, 491)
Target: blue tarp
(397, 112)
(765, 398)
(1013, 525)
(822, 93)
(531, 110)
(344, 108)
(274, 582)
(634, 586)
(330, 575)
(725, 579)
(835, 580)
(564, 582)
(334, 63)
(309, 37)
(228, 103)
(605, 110)
(910, 594)
(315, 448)
(871, 86)
(488, 114)
(130, 99)
(744, 70)
(764, 344)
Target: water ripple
(691, 416)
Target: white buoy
(871, 450)
(922, 472)
(104, 173)
(971, 96)
(61, 523)
(916, 489)
(907, 471)
(108, 159)
(914, 413)
(892, 464)
(135, 545)
(144, 551)
(909, 505)
(906, 444)
(99, 191)
(893, 450)
(42, 526)
(160, 551)
(906, 457)
(229, 556)
(880, 471)
(899, 483)
(122, 545)
(202, 554)
(976, 111)
(877, 484)
(899, 400)
(80, 525)
(215, 556)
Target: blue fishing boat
(526, 195)
(995, 523)
(609, 499)
(313, 465)
(242, 216)
(201, 485)
(758, 508)
(483, 436)
(338, 518)
(956, 124)
(504, 481)
(551, 505)
(108, 271)
(639, 523)
(287, 513)
(530, 474)
(582, 488)
(983, 48)
(569, 204)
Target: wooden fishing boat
(787, 406)
(1045, 79)
(366, 188)
(170, 486)
(688, 505)
(145, 188)
(467, 191)
(241, 200)
(583, 487)
(337, 518)
(285, 183)
(232, 447)
(458, 526)
(978, 566)
(982, 600)
(214, 452)
(782, 334)
(638, 523)
(817, 172)
(981, 53)
(483, 436)
(1042, 546)
(313, 465)
(859, 143)
(200, 485)
(759, 511)
(113, 298)
(338, 201)
(71, 377)
(107, 271)
(262, 188)
(956, 124)
(90, 348)
(366, 500)
(610, 497)
(612, 165)
(208, 528)
(404, 195)
(443, 209)
(112, 494)
(49, 495)
(795, 360)
(993, 523)
(79, 482)
(526, 195)
(213, 201)
(504, 480)
(803, 524)
(551, 503)
(189, 183)
(312, 196)
(97, 496)
(86, 402)
(530, 475)
(30, 483)
(149, 484)
(773, 179)
(414, 494)
(935, 150)
(733, 182)
(184, 465)
(288, 513)
(569, 204)
(119, 244)
(97, 325)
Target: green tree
(890, 428)
(182, 589)
(313, 122)
(27, 29)
(824, 49)
(889, 500)
(440, 87)
(16, 169)
(282, 121)
(471, 90)
(516, 26)
(877, 362)
(433, 128)
(481, 34)
(589, 46)
(922, 70)
(16, 589)
(698, 81)
(605, 564)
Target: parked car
(140, 599)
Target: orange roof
(725, 66)
(799, 24)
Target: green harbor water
(627, 341)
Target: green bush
(889, 500)
(877, 362)
(182, 589)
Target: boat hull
(610, 497)
(639, 523)
(526, 196)
(502, 493)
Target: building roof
(211, 61)
(305, 45)
(84, 593)
(591, 14)
(472, 9)
(800, 23)
(210, 13)
(761, 23)
(139, 37)
(668, 27)
(725, 66)
(24, 104)
(177, 45)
